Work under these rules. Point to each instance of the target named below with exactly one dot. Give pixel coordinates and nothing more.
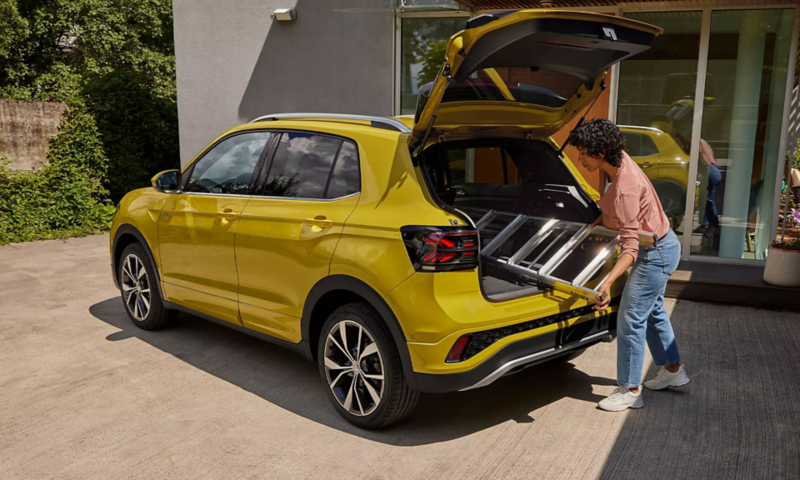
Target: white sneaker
(665, 379)
(621, 399)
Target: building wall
(25, 131)
(235, 63)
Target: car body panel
(291, 241)
(196, 235)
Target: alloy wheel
(354, 368)
(135, 287)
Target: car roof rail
(376, 122)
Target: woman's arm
(603, 297)
(627, 212)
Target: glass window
(424, 41)
(301, 165)
(748, 55)
(346, 176)
(639, 145)
(656, 90)
(228, 166)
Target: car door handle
(319, 221)
(229, 214)
(646, 165)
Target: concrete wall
(25, 131)
(235, 63)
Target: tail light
(456, 353)
(435, 249)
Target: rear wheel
(359, 362)
(138, 284)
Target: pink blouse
(631, 205)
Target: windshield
(520, 85)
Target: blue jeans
(641, 315)
(714, 177)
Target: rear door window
(301, 165)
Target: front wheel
(139, 287)
(360, 364)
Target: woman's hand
(603, 297)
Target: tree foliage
(112, 62)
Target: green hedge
(65, 198)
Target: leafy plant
(67, 197)
(793, 245)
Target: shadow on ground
(293, 383)
(739, 418)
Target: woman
(630, 205)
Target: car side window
(228, 167)
(346, 176)
(640, 145)
(301, 165)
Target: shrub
(66, 197)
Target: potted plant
(783, 261)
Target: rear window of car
(520, 85)
(307, 165)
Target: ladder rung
(547, 249)
(596, 263)
(504, 235)
(484, 220)
(564, 252)
(533, 242)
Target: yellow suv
(403, 255)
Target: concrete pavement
(84, 394)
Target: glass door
(655, 108)
(745, 86)
(725, 209)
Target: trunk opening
(512, 177)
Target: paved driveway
(84, 394)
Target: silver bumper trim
(530, 358)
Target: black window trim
(267, 165)
(186, 174)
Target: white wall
(235, 63)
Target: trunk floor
(499, 289)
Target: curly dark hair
(599, 138)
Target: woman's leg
(660, 337)
(644, 286)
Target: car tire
(364, 377)
(141, 296)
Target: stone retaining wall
(25, 131)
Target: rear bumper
(522, 354)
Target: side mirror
(167, 181)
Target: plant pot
(783, 267)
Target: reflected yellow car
(349, 240)
(664, 162)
